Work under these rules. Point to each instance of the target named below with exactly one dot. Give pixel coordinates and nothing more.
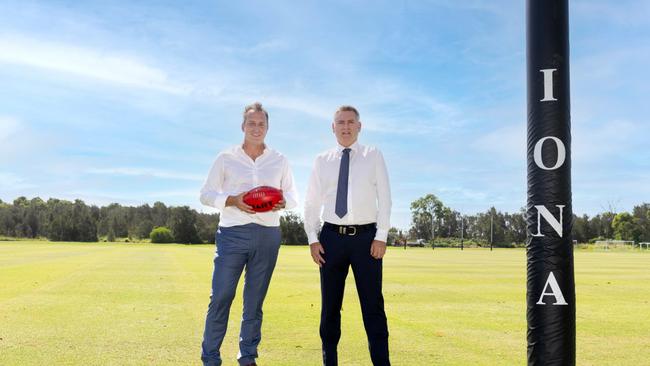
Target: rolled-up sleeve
(384, 201)
(313, 205)
(212, 193)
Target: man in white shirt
(350, 184)
(244, 239)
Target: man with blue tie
(349, 183)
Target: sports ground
(144, 304)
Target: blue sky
(130, 102)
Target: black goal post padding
(550, 278)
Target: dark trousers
(341, 252)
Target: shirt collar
(353, 147)
(240, 150)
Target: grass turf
(144, 304)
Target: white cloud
(307, 105)
(97, 198)
(508, 142)
(9, 126)
(626, 13)
(98, 64)
(18, 141)
(145, 172)
(607, 142)
(232, 86)
(184, 194)
(13, 182)
(272, 45)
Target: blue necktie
(341, 208)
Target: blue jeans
(255, 248)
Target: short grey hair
(347, 108)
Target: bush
(161, 235)
(594, 240)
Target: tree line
(430, 218)
(61, 220)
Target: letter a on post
(555, 291)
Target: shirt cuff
(290, 201)
(312, 237)
(220, 201)
(381, 235)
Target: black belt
(349, 229)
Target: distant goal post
(611, 244)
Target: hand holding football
(263, 198)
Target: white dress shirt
(234, 172)
(368, 191)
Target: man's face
(255, 127)
(346, 127)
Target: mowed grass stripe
(110, 307)
(39, 267)
(98, 304)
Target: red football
(263, 198)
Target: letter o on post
(561, 153)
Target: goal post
(614, 244)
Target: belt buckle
(343, 230)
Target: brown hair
(347, 108)
(256, 107)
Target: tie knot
(346, 150)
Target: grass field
(144, 304)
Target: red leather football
(263, 198)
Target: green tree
(601, 224)
(117, 220)
(159, 214)
(641, 214)
(140, 221)
(291, 226)
(34, 218)
(19, 213)
(59, 220)
(206, 226)
(141, 228)
(182, 222)
(84, 227)
(7, 222)
(393, 234)
(424, 211)
(448, 223)
(581, 229)
(625, 227)
(515, 227)
(69, 221)
(111, 236)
